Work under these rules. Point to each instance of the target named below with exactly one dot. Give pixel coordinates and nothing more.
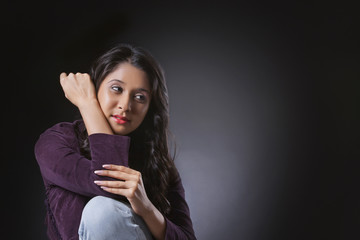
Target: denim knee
(106, 218)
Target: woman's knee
(100, 210)
(104, 218)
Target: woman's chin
(121, 130)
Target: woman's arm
(61, 163)
(132, 187)
(178, 222)
(80, 90)
(177, 225)
(155, 222)
(57, 150)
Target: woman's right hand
(78, 88)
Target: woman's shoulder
(58, 136)
(64, 130)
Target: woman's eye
(140, 98)
(117, 88)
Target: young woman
(110, 175)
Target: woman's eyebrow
(143, 90)
(116, 80)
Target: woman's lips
(119, 119)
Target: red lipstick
(119, 119)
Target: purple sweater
(69, 180)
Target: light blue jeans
(106, 218)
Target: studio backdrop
(264, 101)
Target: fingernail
(103, 187)
(97, 171)
(106, 166)
(97, 182)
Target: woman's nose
(125, 104)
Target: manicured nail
(103, 187)
(97, 171)
(97, 182)
(106, 166)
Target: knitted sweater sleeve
(178, 222)
(58, 155)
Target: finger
(63, 75)
(116, 174)
(118, 191)
(115, 184)
(71, 75)
(79, 76)
(120, 168)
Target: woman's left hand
(130, 185)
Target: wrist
(94, 118)
(88, 103)
(148, 211)
(155, 221)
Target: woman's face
(124, 97)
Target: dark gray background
(264, 102)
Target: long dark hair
(149, 148)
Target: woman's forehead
(128, 75)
